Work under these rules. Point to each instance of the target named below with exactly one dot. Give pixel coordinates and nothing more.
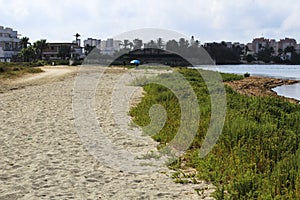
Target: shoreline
(261, 86)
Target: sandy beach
(42, 156)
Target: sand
(261, 86)
(43, 157)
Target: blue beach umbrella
(136, 62)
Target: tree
(172, 45)
(197, 43)
(137, 43)
(246, 50)
(28, 54)
(126, 43)
(88, 48)
(151, 44)
(222, 54)
(289, 49)
(183, 43)
(40, 46)
(64, 52)
(77, 35)
(24, 41)
(160, 43)
(250, 58)
(265, 54)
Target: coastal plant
(257, 155)
(11, 70)
(247, 74)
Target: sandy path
(49, 74)
(42, 156)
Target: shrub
(247, 74)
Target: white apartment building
(110, 46)
(9, 44)
(287, 42)
(92, 42)
(274, 45)
(258, 44)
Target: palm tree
(152, 44)
(77, 35)
(126, 43)
(137, 43)
(24, 41)
(40, 46)
(160, 43)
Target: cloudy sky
(207, 20)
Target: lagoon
(291, 72)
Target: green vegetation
(11, 70)
(247, 74)
(256, 157)
(34, 52)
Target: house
(63, 51)
(9, 44)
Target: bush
(41, 63)
(61, 62)
(77, 62)
(247, 74)
(8, 70)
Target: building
(258, 44)
(274, 45)
(297, 48)
(287, 42)
(277, 46)
(228, 44)
(249, 49)
(92, 42)
(63, 51)
(110, 46)
(9, 44)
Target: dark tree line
(223, 54)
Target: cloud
(209, 20)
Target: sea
(291, 72)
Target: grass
(256, 157)
(12, 70)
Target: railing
(11, 49)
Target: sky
(206, 20)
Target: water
(291, 72)
(292, 91)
